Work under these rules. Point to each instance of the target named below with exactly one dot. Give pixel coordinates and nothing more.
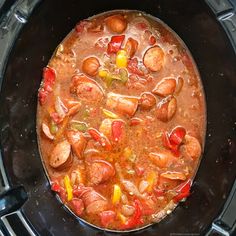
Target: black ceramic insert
(49, 23)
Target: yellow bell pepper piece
(151, 179)
(122, 218)
(68, 187)
(121, 59)
(110, 114)
(102, 73)
(116, 194)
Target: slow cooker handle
(225, 14)
(225, 224)
(12, 200)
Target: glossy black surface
(216, 61)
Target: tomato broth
(121, 120)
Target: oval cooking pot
(43, 29)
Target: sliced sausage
(154, 58)
(91, 196)
(122, 104)
(131, 47)
(94, 202)
(166, 108)
(192, 147)
(174, 175)
(61, 155)
(78, 206)
(77, 141)
(165, 87)
(116, 23)
(97, 207)
(161, 158)
(100, 171)
(90, 66)
(46, 131)
(86, 89)
(147, 101)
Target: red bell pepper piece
(115, 44)
(177, 135)
(136, 219)
(107, 217)
(135, 121)
(102, 139)
(49, 77)
(133, 67)
(183, 191)
(167, 144)
(174, 139)
(117, 127)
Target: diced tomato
(158, 192)
(139, 170)
(141, 25)
(183, 191)
(133, 67)
(115, 44)
(55, 187)
(136, 219)
(81, 26)
(56, 118)
(78, 206)
(107, 217)
(49, 77)
(42, 96)
(117, 129)
(152, 40)
(177, 135)
(102, 139)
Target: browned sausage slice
(116, 23)
(61, 155)
(94, 202)
(90, 66)
(174, 175)
(147, 101)
(192, 147)
(131, 47)
(100, 171)
(122, 104)
(165, 87)
(161, 158)
(166, 108)
(154, 58)
(77, 141)
(97, 207)
(86, 89)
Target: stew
(121, 120)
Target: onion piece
(46, 131)
(61, 109)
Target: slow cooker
(30, 30)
